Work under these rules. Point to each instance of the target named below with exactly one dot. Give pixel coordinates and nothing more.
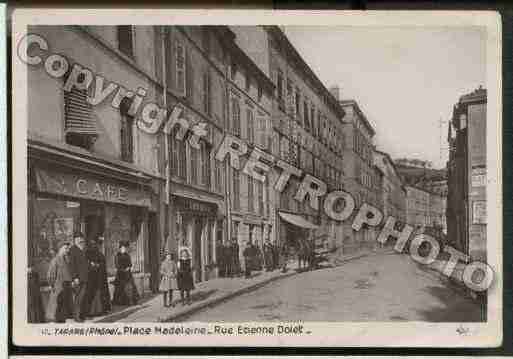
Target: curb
(244, 290)
(222, 298)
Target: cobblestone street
(382, 287)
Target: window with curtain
(125, 40)
(236, 190)
(260, 188)
(306, 114)
(127, 138)
(251, 203)
(207, 96)
(177, 155)
(250, 125)
(180, 68)
(205, 164)
(235, 117)
(194, 165)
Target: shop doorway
(153, 251)
(94, 226)
(198, 248)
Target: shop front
(199, 226)
(296, 229)
(65, 199)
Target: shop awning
(297, 220)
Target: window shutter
(180, 69)
(291, 105)
(78, 113)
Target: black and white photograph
(331, 179)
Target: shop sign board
(479, 212)
(88, 187)
(479, 177)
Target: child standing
(168, 283)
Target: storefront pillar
(214, 247)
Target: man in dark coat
(220, 254)
(268, 256)
(236, 259)
(79, 268)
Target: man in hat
(79, 267)
(60, 301)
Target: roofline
(424, 190)
(241, 54)
(360, 112)
(275, 31)
(392, 162)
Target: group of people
(79, 289)
(176, 276)
(269, 257)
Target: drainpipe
(227, 167)
(166, 137)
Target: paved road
(384, 287)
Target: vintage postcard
(256, 178)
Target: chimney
(335, 91)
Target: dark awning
(297, 220)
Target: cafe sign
(75, 185)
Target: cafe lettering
(69, 184)
(101, 191)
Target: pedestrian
(168, 281)
(268, 256)
(284, 258)
(35, 310)
(103, 277)
(98, 298)
(60, 301)
(125, 291)
(247, 253)
(220, 252)
(184, 277)
(79, 272)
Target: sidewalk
(205, 294)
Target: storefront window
(53, 221)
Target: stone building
(361, 179)
(90, 168)
(394, 193)
(425, 211)
(307, 133)
(466, 207)
(250, 92)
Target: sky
(405, 80)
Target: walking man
(79, 268)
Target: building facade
(394, 193)
(425, 211)
(361, 179)
(250, 92)
(307, 134)
(89, 167)
(466, 209)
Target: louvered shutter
(79, 117)
(180, 69)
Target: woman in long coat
(168, 282)
(184, 277)
(125, 291)
(60, 302)
(98, 289)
